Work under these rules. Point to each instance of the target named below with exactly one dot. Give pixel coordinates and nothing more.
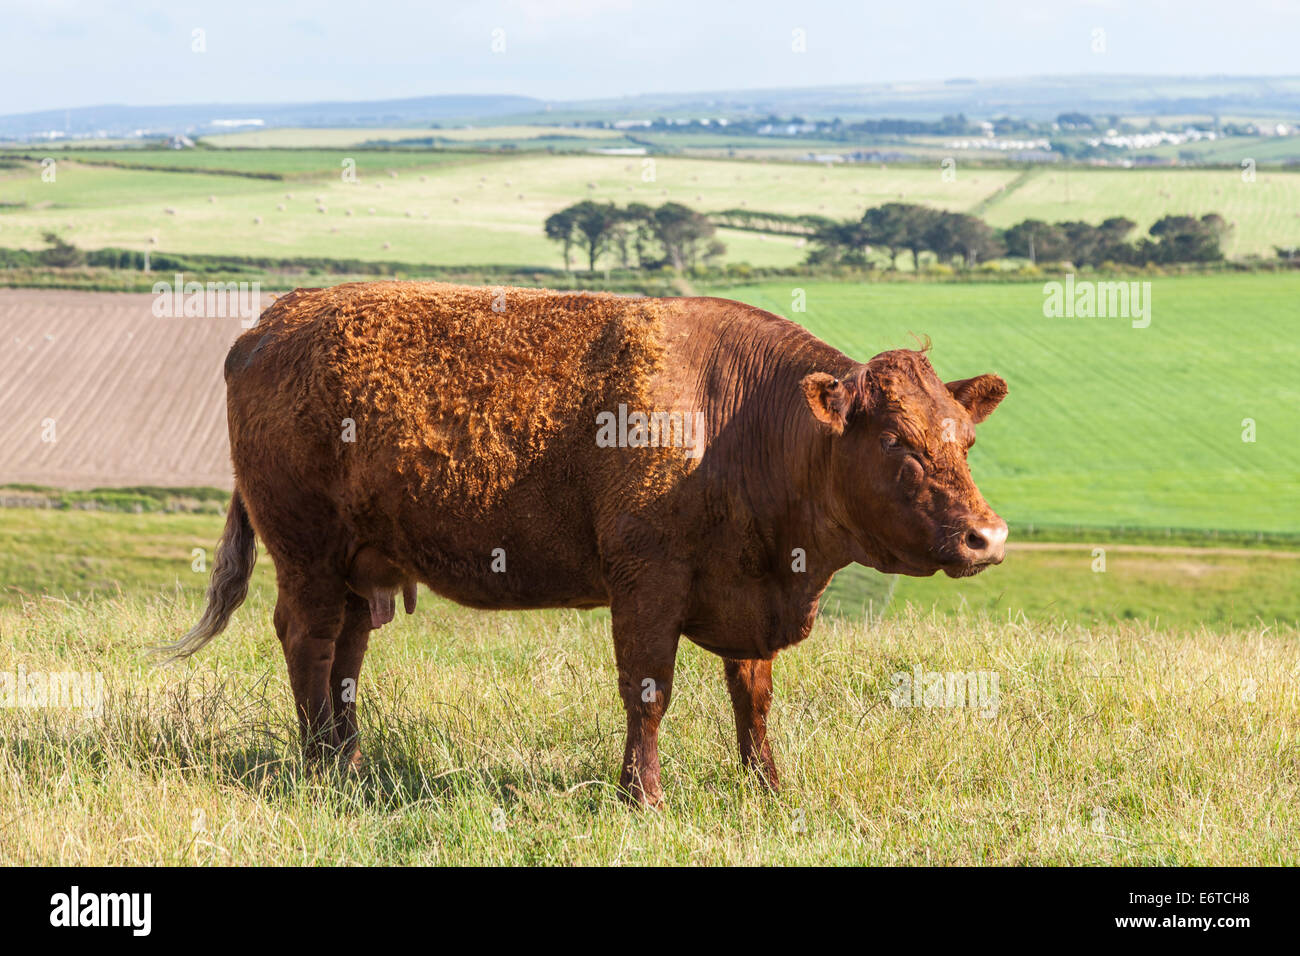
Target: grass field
(453, 213)
(91, 555)
(1263, 213)
(1105, 424)
(293, 163)
(494, 739)
(1232, 150)
(457, 208)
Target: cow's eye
(889, 442)
(912, 473)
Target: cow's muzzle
(975, 545)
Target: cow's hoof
(768, 775)
(637, 795)
(644, 801)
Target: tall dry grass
(494, 739)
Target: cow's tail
(228, 586)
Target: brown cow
(700, 466)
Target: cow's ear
(979, 395)
(829, 399)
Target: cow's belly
(515, 557)
(527, 580)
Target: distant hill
(1034, 97)
(117, 120)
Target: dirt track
(134, 399)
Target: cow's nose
(986, 542)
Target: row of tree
(637, 235)
(967, 240)
(779, 223)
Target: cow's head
(898, 478)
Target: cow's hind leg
(750, 685)
(345, 677)
(309, 615)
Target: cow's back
(464, 387)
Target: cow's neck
(774, 457)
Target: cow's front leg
(645, 647)
(750, 685)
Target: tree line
(637, 235)
(645, 237)
(965, 240)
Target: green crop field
(1105, 424)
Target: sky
(67, 53)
